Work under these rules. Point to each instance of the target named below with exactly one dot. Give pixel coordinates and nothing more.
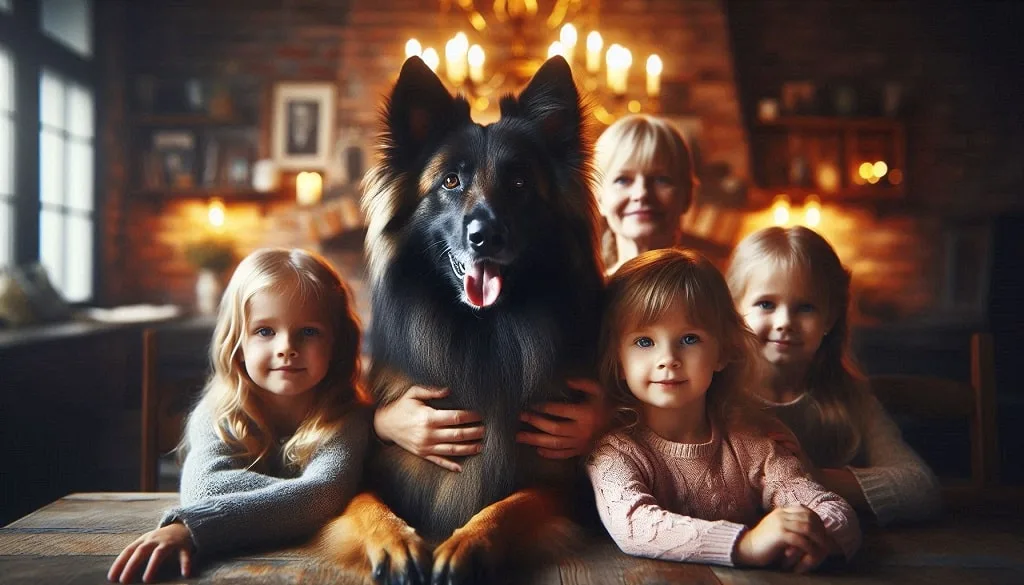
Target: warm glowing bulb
(812, 211)
(654, 65)
(780, 210)
(828, 178)
(431, 58)
(461, 42)
(634, 106)
(555, 49)
(594, 41)
(866, 171)
(568, 35)
(215, 213)
(413, 48)
(880, 168)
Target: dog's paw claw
(463, 559)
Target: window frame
(32, 51)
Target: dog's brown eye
(451, 181)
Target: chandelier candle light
(512, 38)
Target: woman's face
(643, 203)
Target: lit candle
(455, 58)
(812, 211)
(476, 59)
(308, 188)
(413, 48)
(627, 62)
(780, 209)
(612, 65)
(431, 58)
(594, 44)
(568, 38)
(654, 68)
(556, 48)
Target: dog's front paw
(398, 557)
(468, 556)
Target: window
(66, 162)
(5, 6)
(68, 22)
(6, 158)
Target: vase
(208, 291)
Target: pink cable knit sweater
(691, 502)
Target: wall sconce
(780, 209)
(215, 213)
(308, 188)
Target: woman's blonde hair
(231, 395)
(834, 382)
(643, 141)
(640, 293)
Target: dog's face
(483, 201)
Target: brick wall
(964, 149)
(360, 46)
(961, 109)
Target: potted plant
(211, 256)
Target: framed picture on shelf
(174, 160)
(303, 125)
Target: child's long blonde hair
(833, 380)
(231, 395)
(643, 141)
(640, 292)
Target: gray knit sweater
(227, 507)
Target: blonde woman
(688, 474)
(646, 184)
(794, 293)
(275, 446)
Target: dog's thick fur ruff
(529, 174)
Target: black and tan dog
(486, 280)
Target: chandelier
(506, 44)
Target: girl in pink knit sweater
(688, 474)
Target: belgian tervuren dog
(486, 280)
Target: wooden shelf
(176, 121)
(226, 193)
(831, 123)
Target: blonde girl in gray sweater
(275, 445)
(794, 293)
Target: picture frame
(175, 159)
(303, 125)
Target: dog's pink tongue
(482, 283)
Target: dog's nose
(485, 236)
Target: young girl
(688, 476)
(275, 446)
(794, 293)
(647, 184)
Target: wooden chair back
(937, 398)
(175, 366)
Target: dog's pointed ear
(551, 100)
(420, 112)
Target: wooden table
(75, 539)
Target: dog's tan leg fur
(531, 523)
(368, 533)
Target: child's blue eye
(765, 305)
(644, 342)
(623, 181)
(264, 332)
(690, 339)
(310, 331)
